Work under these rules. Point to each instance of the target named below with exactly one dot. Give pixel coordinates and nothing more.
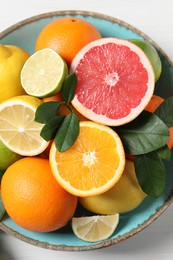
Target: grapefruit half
(115, 81)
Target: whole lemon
(12, 59)
(125, 196)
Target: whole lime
(7, 157)
(152, 55)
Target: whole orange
(154, 103)
(33, 198)
(67, 36)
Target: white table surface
(155, 18)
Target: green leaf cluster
(63, 129)
(146, 138)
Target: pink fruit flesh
(115, 88)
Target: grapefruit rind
(101, 118)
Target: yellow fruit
(123, 197)
(18, 130)
(12, 59)
(93, 164)
(95, 228)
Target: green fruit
(152, 55)
(7, 157)
(43, 73)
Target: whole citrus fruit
(115, 81)
(33, 198)
(12, 59)
(67, 36)
(7, 157)
(124, 196)
(152, 54)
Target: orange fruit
(93, 164)
(67, 36)
(63, 109)
(33, 198)
(170, 140)
(153, 104)
(115, 81)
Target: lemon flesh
(95, 228)
(43, 73)
(125, 195)
(18, 130)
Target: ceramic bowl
(24, 34)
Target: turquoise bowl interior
(24, 34)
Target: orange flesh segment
(92, 161)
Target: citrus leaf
(144, 134)
(165, 111)
(49, 130)
(46, 111)
(150, 173)
(69, 86)
(67, 133)
(164, 152)
(2, 209)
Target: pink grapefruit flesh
(115, 81)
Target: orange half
(93, 164)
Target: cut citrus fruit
(43, 73)
(123, 197)
(115, 81)
(18, 130)
(95, 228)
(93, 164)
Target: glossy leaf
(165, 111)
(49, 130)
(164, 152)
(150, 173)
(67, 133)
(69, 86)
(144, 134)
(46, 111)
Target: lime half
(43, 73)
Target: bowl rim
(160, 209)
